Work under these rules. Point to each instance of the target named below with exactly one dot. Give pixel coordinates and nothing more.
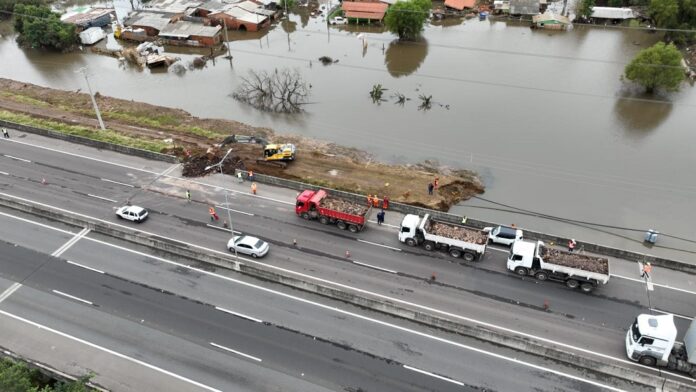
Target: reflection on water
(641, 113)
(404, 58)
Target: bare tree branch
(281, 91)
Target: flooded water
(542, 116)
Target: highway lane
(275, 221)
(121, 314)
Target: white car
(248, 245)
(132, 213)
(338, 20)
(503, 235)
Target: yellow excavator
(278, 154)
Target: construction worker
(213, 215)
(375, 201)
(5, 134)
(251, 176)
(369, 199)
(385, 202)
(571, 245)
(436, 183)
(430, 188)
(647, 269)
(188, 195)
(253, 187)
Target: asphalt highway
(483, 291)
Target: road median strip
(483, 333)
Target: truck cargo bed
(344, 206)
(456, 232)
(597, 265)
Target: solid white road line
(673, 314)
(236, 352)
(83, 156)
(102, 198)
(655, 284)
(244, 316)
(37, 223)
(5, 174)
(374, 267)
(9, 291)
(169, 170)
(119, 183)
(84, 266)
(461, 384)
(237, 211)
(376, 244)
(375, 321)
(109, 351)
(221, 228)
(72, 297)
(383, 224)
(396, 300)
(17, 159)
(70, 243)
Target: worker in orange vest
(213, 215)
(647, 269)
(253, 187)
(385, 202)
(375, 201)
(369, 199)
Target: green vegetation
(7, 6)
(657, 67)
(674, 14)
(24, 99)
(107, 136)
(289, 3)
(17, 377)
(39, 27)
(406, 18)
(585, 8)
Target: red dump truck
(327, 209)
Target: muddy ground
(318, 162)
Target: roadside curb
(180, 251)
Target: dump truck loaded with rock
(431, 234)
(345, 214)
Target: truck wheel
(586, 287)
(456, 253)
(468, 256)
(521, 271)
(429, 246)
(341, 225)
(411, 242)
(647, 361)
(572, 283)
(353, 228)
(305, 215)
(323, 220)
(541, 275)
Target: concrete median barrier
(182, 252)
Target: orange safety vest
(253, 187)
(211, 210)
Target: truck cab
(408, 232)
(522, 257)
(304, 202)
(503, 235)
(650, 339)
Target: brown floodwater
(542, 116)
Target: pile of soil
(195, 166)
(318, 162)
(598, 265)
(457, 232)
(344, 206)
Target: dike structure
(180, 251)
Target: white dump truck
(458, 241)
(652, 341)
(576, 270)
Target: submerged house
(85, 18)
(551, 21)
(190, 34)
(364, 10)
(613, 13)
(236, 18)
(460, 5)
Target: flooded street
(542, 116)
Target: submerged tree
(281, 91)
(657, 67)
(39, 27)
(406, 18)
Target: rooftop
(154, 20)
(174, 6)
(243, 15)
(86, 15)
(364, 10)
(183, 29)
(460, 4)
(524, 7)
(549, 17)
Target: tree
(7, 6)
(281, 91)
(14, 376)
(657, 67)
(406, 18)
(39, 27)
(585, 8)
(664, 12)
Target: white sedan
(248, 245)
(339, 20)
(132, 213)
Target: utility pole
(227, 40)
(91, 95)
(227, 202)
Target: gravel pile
(345, 206)
(598, 265)
(456, 232)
